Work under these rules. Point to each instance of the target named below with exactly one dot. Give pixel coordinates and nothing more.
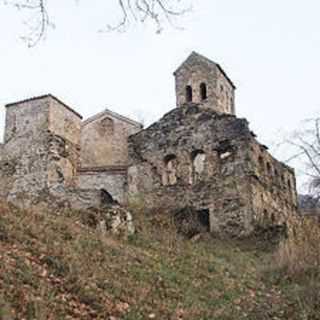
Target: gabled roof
(46, 96)
(209, 63)
(113, 114)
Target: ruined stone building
(199, 156)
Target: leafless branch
(306, 142)
(156, 11)
(38, 19)
(153, 10)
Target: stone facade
(199, 161)
(104, 139)
(210, 162)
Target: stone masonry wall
(104, 141)
(24, 163)
(41, 155)
(273, 186)
(224, 93)
(40, 159)
(64, 145)
(195, 158)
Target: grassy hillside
(60, 267)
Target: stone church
(198, 156)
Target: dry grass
(300, 253)
(60, 267)
(296, 267)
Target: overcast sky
(270, 49)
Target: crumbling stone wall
(40, 159)
(104, 140)
(273, 184)
(41, 150)
(200, 80)
(64, 144)
(199, 159)
(111, 179)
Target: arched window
(289, 184)
(198, 159)
(106, 127)
(169, 176)
(188, 94)
(203, 91)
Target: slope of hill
(60, 267)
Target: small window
(188, 94)
(203, 91)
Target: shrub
(300, 253)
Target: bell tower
(202, 81)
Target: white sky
(270, 49)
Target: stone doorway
(203, 216)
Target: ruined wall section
(274, 193)
(195, 157)
(104, 140)
(64, 145)
(197, 71)
(113, 180)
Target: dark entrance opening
(204, 219)
(190, 222)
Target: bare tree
(141, 11)
(305, 143)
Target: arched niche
(169, 176)
(198, 159)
